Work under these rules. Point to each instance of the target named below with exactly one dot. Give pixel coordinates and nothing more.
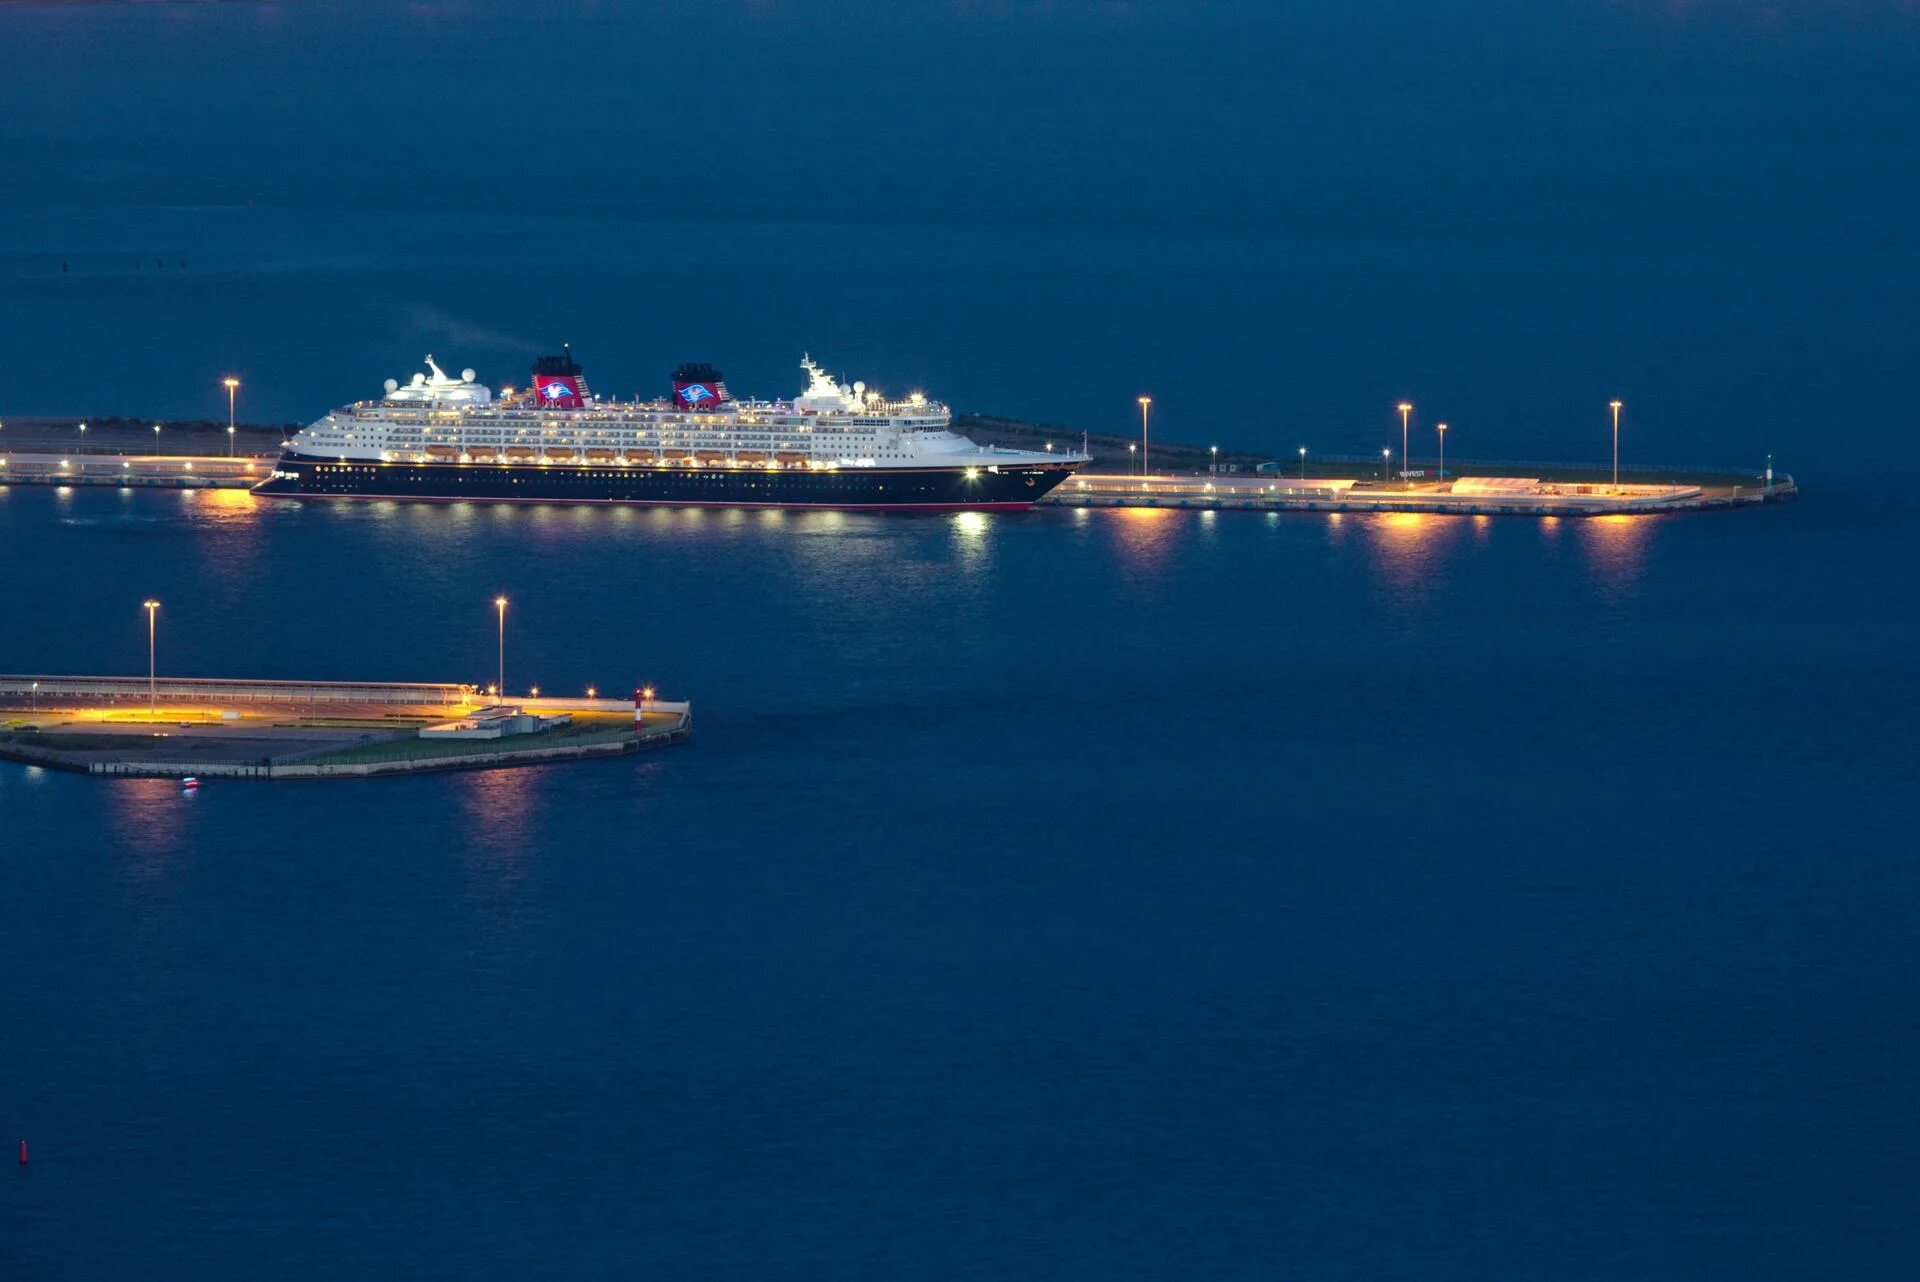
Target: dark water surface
(1064, 895)
(1079, 893)
(1278, 219)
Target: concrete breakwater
(658, 736)
(242, 729)
(1511, 497)
(144, 471)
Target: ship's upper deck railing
(928, 417)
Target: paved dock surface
(288, 729)
(1315, 494)
(158, 471)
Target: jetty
(1503, 495)
(142, 471)
(218, 728)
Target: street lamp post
(153, 685)
(232, 386)
(1405, 408)
(1615, 407)
(156, 438)
(1216, 458)
(500, 604)
(1303, 465)
(1385, 464)
(1145, 401)
(1130, 451)
(1443, 451)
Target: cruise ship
(554, 441)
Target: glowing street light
(1303, 465)
(1615, 407)
(1145, 401)
(1216, 458)
(1405, 408)
(232, 385)
(153, 685)
(1385, 455)
(500, 604)
(1442, 428)
(1130, 449)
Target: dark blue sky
(1276, 218)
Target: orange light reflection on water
(1616, 546)
(1406, 547)
(1145, 536)
(228, 522)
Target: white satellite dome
(466, 376)
(419, 380)
(393, 385)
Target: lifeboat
(559, 454)
(600, 456)
(640, 456)
(518, 453)
(749, 456)
(442, 453)
(709, 458)
(481, 453)
(789, 458)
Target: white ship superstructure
(834, 445)
(438, 418)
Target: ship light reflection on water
(970, 538)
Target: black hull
(863, 488)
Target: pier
(1498, 495)
(209, 728)
(143, 471)
(1456, 496)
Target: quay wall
(1227, 496)
(277, 768)
(114, 471)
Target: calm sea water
(1065, 895)
(1088, 894)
